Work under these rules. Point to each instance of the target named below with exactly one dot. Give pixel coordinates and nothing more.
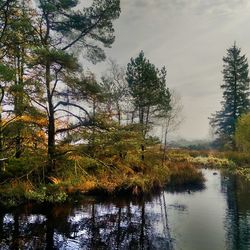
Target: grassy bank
(112, 174)
(102, 174)
(236, 162)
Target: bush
(185, 174)
(241, 159)
(242, 134)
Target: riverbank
(114, 175)
(235, 162)
(103, 176)
(183, 220)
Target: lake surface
(215, 218)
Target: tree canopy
(147, 86)
(235, 95)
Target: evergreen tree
(235, 95)
(147, 86)
(63, 26)
(15, 38)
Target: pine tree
(235, 95)
(63, 29)
(147, 86)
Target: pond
(214, 218)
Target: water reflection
(237, 221)
(88, 226)
(217, 217)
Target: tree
(16, 57)
(5, 12)
(170, 119)
(62, 27)
(15, 42)
(116, 89)
(235, 96)
(147, 86)
(242, 134)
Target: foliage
(235, 95)
(212, 162)
(242, 135)
(147, 86)
(61, 130)
(46, 194)
(63, 27)
(183, 173)
(241, 159)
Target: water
(215, 218)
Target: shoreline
(125, 178)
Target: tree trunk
(118, 113)
(141, 118)
(51, 144)
(165, 146)
(133, 117)
(1, 139)
(19, 99)
(51, 124)
(92, 140)
(147, 121)
(235, 107)
(18, 144)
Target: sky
(190, 38)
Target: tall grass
(106, 175)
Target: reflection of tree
(50, 229)
(88, 226)
(142, 238)
(1, 224)
(237, 219)
(165, 220)
(16, 234)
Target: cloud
(190, 37)
(198, 6)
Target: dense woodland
(63, 130)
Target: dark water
(215, 218)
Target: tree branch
(56, 80)
(78, 125)
(38, 103)
(84, 33)
(72, 114)
(71, 104)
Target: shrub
(242, 134)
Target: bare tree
(116, 88)
(172, 119)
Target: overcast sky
(189, 37)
